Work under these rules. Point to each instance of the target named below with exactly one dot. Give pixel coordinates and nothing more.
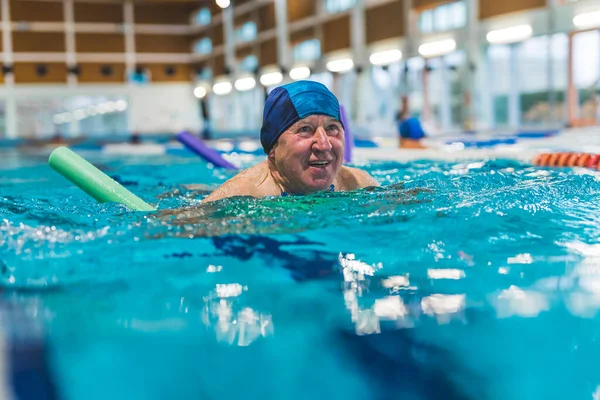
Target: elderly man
(303, 138)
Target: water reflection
(583, 280)
(367, 320)
(386, 343)
(515, 301)
(397, 283)
(390, 308)
(234, 324)
(355, 272)
(444, 307)
(448, 273)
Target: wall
(384, 22)
(160, 108)
(154, 108)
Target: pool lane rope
(196, 145)
(93, 181)
(583, 160)
(348, 140)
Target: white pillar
(7, 53)
(412, 34)
(358, 34)
(69, 21)
(11, 104)
(445, 102)
(411, 44)
(10, 119)
(514, 103)
(363, 87)
(229, 37)
(358, 43)
(473, 60)
(129, 32)
(486, 92)
(550, 61)
(283, 39)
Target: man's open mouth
(318, 164)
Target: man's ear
(271, 155)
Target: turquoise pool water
(476, 280)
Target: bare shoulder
(356, 178)
(246, 183)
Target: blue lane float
(486, 143)
(537, 134)
(197, 146)
(348, 141)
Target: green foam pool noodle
(93, 181)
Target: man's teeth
(318, 163)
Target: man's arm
(246, 183)
(355, 178)
(364, 178)
(236, 186)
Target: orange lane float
(583, 160)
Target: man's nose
(321, 142)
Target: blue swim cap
(411, 129)
(290, 103)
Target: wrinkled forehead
(314, 120)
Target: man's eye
(333, 129)
(304, 129)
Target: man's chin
(318, 185)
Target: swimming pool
(469, 280)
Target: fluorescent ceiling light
(58, 119)
(199, 92)
(385, 57)
(67, 117)
(299, 73)
(110, 106)
(271, 78)
(244, 84)
(120, 105)
(102, 108)
(341, 65)
(587, 20)
(92, 110)
(80, 114)
(438, 48)
(222, 88)
(223, 3)
(510, 35)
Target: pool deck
(523, 149)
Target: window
(204, 73)
(458, 13)
(246, 33)
(203, 46)
(498, 61)
(202, 17)
(443, 18)
(426, 21)
(309, 50)
(249, 63)
(415, 84)
(336, 6)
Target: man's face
(310, 153)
